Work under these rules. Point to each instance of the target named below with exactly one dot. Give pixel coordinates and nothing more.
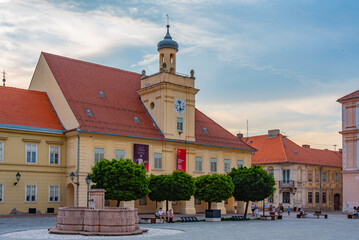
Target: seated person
(161, 215)
(355, 212)
(170, 216)
(301, 211)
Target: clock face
(179, 105)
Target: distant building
(350, 133)
(108, 113)
(305, 177)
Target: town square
(179, 119)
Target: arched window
(271, 171)
(172, 58)
(162, 58)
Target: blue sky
(279, 64)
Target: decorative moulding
(58, 142)
(3, 138)
(31, 140)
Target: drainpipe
(78, 166)
(320, 189)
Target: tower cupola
(167, 49)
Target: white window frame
(59, 152)
(226, 163)
(240, 161)
(2, 151)
(213, 164)
(58, 193)
(119, 152)
(99, 154)
(2, 192)
(28, 146)
(198, 164)
(157, 161)
(179, 124)
(31, 195)
(337, 180)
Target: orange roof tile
(27, 108)
(81, 82)
(352, 95)
(280, 149)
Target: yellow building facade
(105, 113)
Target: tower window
(179, 124)
(172, 58)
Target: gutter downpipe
(320, 188)
(78, 166)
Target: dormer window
(136, 119)
(205, 130)
(102, 94)
(89, 113)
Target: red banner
(181, 159)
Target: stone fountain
(96, 219)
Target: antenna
(247, 128)
(3, 77)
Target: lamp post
(72, 177)
(88, 182)
(18, 176)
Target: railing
(286, 184)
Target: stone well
(97, 220)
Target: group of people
(163, 217)
(356, 212)
(254, 209)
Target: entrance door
(336, 202)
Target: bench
(272, 216)
(149, 220)
(352, 216)
(318, 214)
(238, 218)
(299, 215)
(189, 219)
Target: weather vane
(3, 77)
(168, 19)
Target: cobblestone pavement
(337, 226)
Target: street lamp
(88, 182)
(72, 176)
(18, 176)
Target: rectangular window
(54, 193)
(227, 165)
(324, 197)
(119, 154)
(179, 124)
(158, 160)
(54, 154)
(270, 200)
(213, 164)
(142, 201)
(336, 177)
(324, 176)
(31, 153)
(1, 192)
(286, 175)
(30, 193)
(317, 197)
(317, 173)
(198, 164)
(1, 151)
(310, 197)
(310, 175)
(271, 171)
(239, 163)
(99, 154)
(286, 197)
(197, 202)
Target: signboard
(140, 155)
(181, 159)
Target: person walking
(253, 208)
(288, 210)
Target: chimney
(240, 135)
(273, 133)
(340, 150)
(306, 145)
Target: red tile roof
(280, 149)
(27, 108)
(349, 96)
(81, 82)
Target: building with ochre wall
(350, 135)
(32, 153)
(111, 113)
(305, 177)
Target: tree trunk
(245, 211)
(263, 208)
(166, 206)
(209, 205)
(118, 203)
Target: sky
(277, 64)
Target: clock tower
(170, 97)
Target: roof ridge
(348, 96)
(282, 146)
(89, 63)
(22, 90)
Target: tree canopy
(122, 179)
(213, 188)
(251, 184)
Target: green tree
(122, 179)
(178, 186)
(213, 188)
(251, 184)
